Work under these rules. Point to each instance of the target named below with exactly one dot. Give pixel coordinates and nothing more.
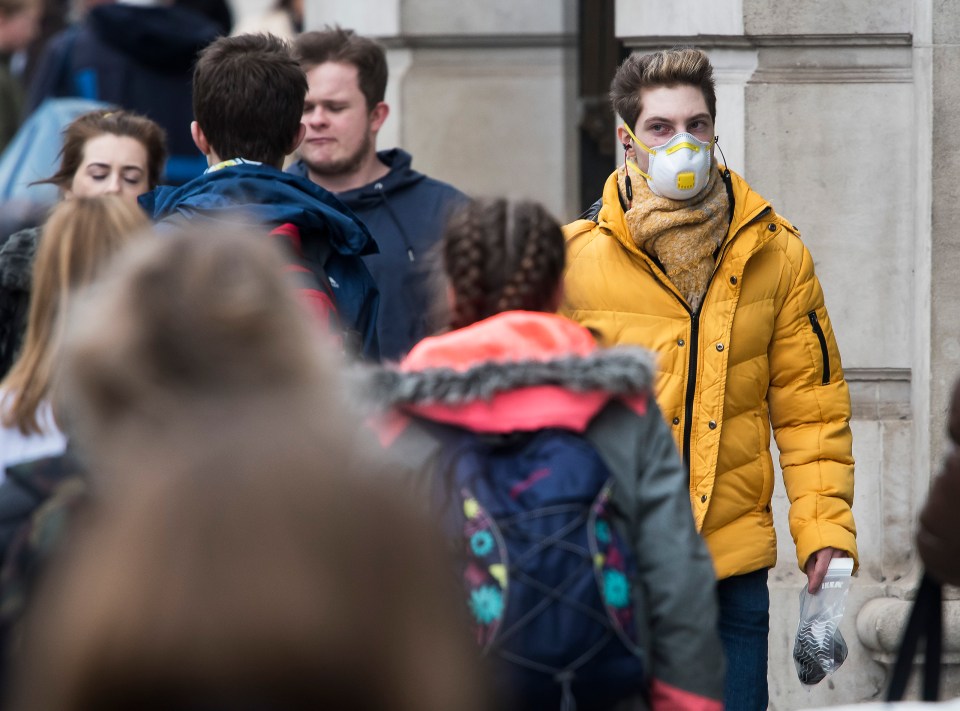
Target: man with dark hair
(248, 95)
(405, 210)
(682, 257)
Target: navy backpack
(547, 575)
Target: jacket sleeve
(358, 301)
(938, 538)
(675, 574)
(810, 412)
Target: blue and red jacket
(324, 239)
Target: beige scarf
(683, 235)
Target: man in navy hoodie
(405, 210)
(248, 95)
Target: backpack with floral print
(548, 574)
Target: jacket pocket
(822, 340)
(766, 464)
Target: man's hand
(817, 565)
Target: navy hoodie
(406, 212)
(267, 196)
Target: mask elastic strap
(638, 141)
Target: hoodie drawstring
(403, 233)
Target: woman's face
(111, 165)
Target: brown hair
(669, 67)
(77, 241)
(248, 94)
(335, 44)
(258, 564)
(187, 323)
(9, 8)
(243, 550)
(117, 123)
(499, 256)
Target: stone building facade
(841, 114)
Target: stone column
(483, 95)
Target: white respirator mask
(680, 168)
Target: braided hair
(501, 256)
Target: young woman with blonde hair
(78, 240)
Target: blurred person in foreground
(248, 94)
(235, 549)
(404, 209)
(105, 152)
(938, 538)
(233, 553)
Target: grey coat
(677, 598)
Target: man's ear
(379, 115)
(298, 139)
(199, 140)
(624, 138)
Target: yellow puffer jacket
(760, 350)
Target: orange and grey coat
(760, 351)
(520, 371)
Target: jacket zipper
(695, 345)
(818, 330)
(691, 385)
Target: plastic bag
(820, 649)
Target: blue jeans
(744, 630)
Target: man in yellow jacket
(682, 257)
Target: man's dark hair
(248, 94)
(335, 44)
(670, 67)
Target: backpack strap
(925, 622)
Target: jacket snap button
(676, 420)
(719, 346)
(703, 499)
(712, 425)
(681, 343)
(772, 227)
(733, 280)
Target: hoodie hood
(516, 371)
(165, 39)
(267, 196)
(400, 177)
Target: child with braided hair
(556, 480)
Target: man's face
(340, 129)
(667, 110)
(18, 29)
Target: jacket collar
(400, 177)
(747, 207)
(515, 371)
(268, 196)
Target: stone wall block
(825, 17)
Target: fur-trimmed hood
(514, 371)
